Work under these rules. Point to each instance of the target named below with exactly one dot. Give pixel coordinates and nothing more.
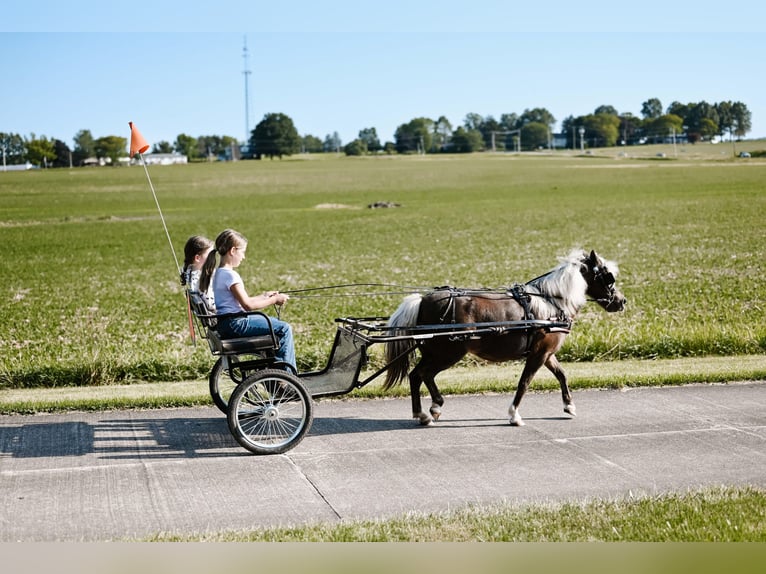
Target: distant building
(559, 141)
(18, 167)
(164, 158)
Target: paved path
(121, 474)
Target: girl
(196, 250)
(231, 297)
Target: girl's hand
(279, 298)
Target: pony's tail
(404, 317)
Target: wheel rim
(270, 413)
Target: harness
(522, 298)
(517, 292)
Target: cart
(269, 406)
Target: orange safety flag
(137, 142)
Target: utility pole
(246, 72)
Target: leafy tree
(356, 147)
(534, 135)
(629, 126)
(63, 154)
(12, 148)
(742, 119)
(84, 147)
(679, 109)
(725, 118)
(601, 129)
(186, 145)
(651, 109)
(442, 133)
(537, 115)
(664, 125)
(40, 151)
(569, 126)
(214, 145)
(275, 135)
(311, 144)
(488, 128)
(473, 121)
(332, 143)
(466, 141)
(611, 110)
(415, 136)
(509, 122)
(708, 128)
(111, 147)
(696, 127)
(162, 147)
(369, 136)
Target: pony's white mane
(563, 288)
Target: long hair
(195, 245)
(563, 288)
(225, 242)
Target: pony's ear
(593, 257)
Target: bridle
(605, 277)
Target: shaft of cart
(355, 335)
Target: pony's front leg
(514, 417)
(554, 367)
(533, 364)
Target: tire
(224, 381)
(270, 412)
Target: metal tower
(246, 72)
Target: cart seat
(239, 345)
(261, 344)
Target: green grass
(468, 379)
(711, 515)
(91, 296)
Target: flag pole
(138, 145)
(162, 218)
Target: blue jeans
(254, 325)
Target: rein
(400, 290)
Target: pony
(540, 313)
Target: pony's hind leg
(437, 400)
(554, 367)
(420, 375)
(417, 408)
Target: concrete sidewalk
(122, 474)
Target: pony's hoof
(425, 420)
(570, 409)
(517, 422)
(436, 413)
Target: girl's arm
(257, 302)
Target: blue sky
(344, 66)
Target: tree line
(276, 135)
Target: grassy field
(92, 297)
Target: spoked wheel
(270, 412)
(223, 382)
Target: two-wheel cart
(269, 407)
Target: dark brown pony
(556, 296)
